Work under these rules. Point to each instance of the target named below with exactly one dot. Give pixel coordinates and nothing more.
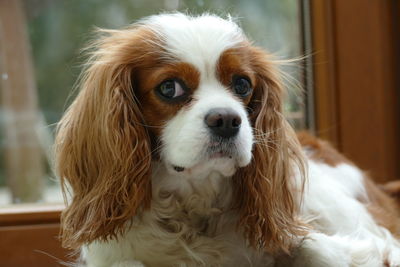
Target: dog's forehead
(197, 40)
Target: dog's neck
(204, 189)
(202, 203)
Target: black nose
(223, 122)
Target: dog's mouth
(222, 149)
(221, 154)
(178, 168)
(214, 151)
(215, 155)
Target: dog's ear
(102, 149)
(266, 204)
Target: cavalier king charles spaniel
(176, 153)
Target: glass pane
(49, 41)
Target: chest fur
(190, 231)
(191, 227)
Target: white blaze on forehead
(197, 40)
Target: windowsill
(22, 214)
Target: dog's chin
(222, 162)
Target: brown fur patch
(382, 207)
(155, 110)
(320, 151)
(392, 188)
(235, 62)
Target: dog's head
(193, 94)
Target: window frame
(30, 233)
(354, 64)
(29, 214)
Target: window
(47, 42)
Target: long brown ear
(102, 150)
(266, 186)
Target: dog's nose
(223, 122)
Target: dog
(176, 152)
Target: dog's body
(196, 228)
(178, 155)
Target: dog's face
(195, 99)
(193, 94)
(212, 130)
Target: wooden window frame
(355, 83)
(29, 234)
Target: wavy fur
(103, 150)
(268, 212)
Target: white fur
(196, 40)
(190, 223)
(332, 205)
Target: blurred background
(345, 89)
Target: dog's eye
(241, 86)
(171, 89)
